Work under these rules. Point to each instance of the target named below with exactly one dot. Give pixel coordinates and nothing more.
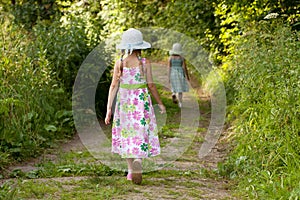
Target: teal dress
(177, 76)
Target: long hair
(121, 65)
(141, 66)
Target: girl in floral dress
(134, 128)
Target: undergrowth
(263, 92)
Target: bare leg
(180, 98)
(137, 171)
(129, 164)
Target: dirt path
(188, 177)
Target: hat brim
(144, 45)
(175, 52)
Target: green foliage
(236, 18)
(192, 18)
(40, 59)
(28, 12)
(263, 87)
(120, 15)
(84, 18)
(64, 49)
(7, 191)
(32, 113)
(198, 16)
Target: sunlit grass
(264, 110)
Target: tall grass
(34, 109)
(39, 62)
(263, 88)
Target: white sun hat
(132, 39)
(176, 49)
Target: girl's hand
(108, 116)
(162, 108)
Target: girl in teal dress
(178, 74)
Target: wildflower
(271, 16)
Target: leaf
(50, 128)
(15, 150)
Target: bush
(34, 109)
(263, 91)
(64, 47)
(39, 64)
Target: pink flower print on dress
(155, 142)
(116, 142)
(135, 101)
(119, 131)
(137, 140)
(147, 116)
(123, 100)
(128, 115)
(146, 138)
(128, 141)
(154, 151)
(133, 71)
(151, 127)
(142, 154)
(152, 117)
(141, 106)
(136, 126)
(136, 92)
(125, 75)
(135, 151)
(124, 143)
(136, 115)
(114, 131)
(123, 116)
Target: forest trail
(188, 177)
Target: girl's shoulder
(117, 64)
(118, 61)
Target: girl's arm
(185, 70)
(112, 92)
(152, 87)
(169, 69)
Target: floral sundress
(134, 128)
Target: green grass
(85, 188)
(69, 178)
(263, 93)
